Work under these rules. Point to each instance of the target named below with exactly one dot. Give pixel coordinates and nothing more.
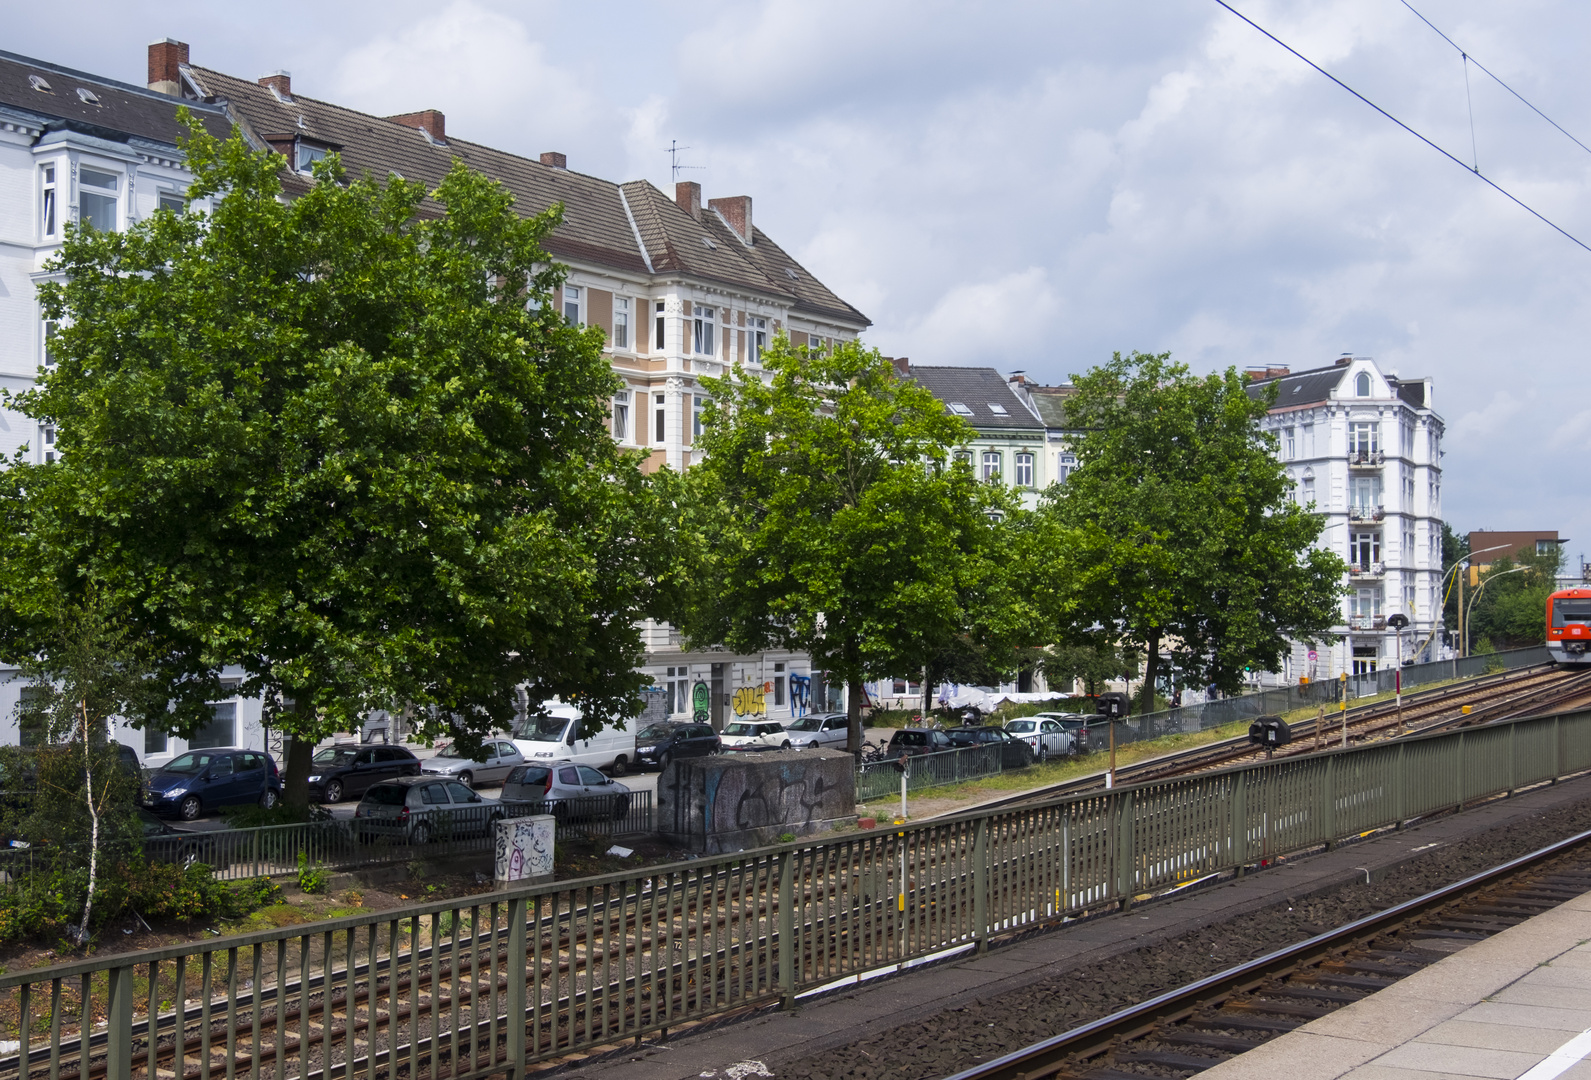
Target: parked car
(818, 730)
(1014, 753)
(549, 789)
(755, 735)
(659, 743)
(199, 781)
(420, 809)
(498, 758)
(346, 772)
(1077, 724)
(1044, 736)
(554, 735)
(917, 741)
(163, 843)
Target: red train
(1569, 626)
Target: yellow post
(1343, 689)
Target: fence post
(1462, 770)
(1238, 842)
(787, 929)
(518, 972)
(1125, 878)
(1557, 749)
(980, 883)
(118, 1025)
(1328, 802)
(1402, 804)
(1513, 740)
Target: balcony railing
(1367, 513)
(1367, 570)
(1364, 623)
(1366, 459)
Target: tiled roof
(1301, 387)
(115, 111)
(979, 389)
(596, 228)
(1050, 403)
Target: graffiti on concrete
(701, 703)
(725, 803)
(800, 694)
(749, 701)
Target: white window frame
(621, 416)
(1022, 469)
(48, 450)
(621, 322)
(698, 406)
(1289, 445)
(992, 468)
(660, 331)
(756, 338)
(1361, 432)
(306, 154)
(49, 200)
(1065, 465)
(573, 305)
(704, 325)
(111, 196)
(46, 336)
(660, 419)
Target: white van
(555, 737)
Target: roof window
(88, 96)
(790, 273)
(707, 242)
(998, 410)
(959, 409)
(38, 83)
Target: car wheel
(663, 759)
(190, 855)
(420, 834)
(334, 791)
(190, 808)
(786, 745)
(621, 807)
(466, 779)
(268, 798)
(620, 766)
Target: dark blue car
(204, 780)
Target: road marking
(1562, 1059)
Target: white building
(1365, 448)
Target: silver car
(498, 758)
(1046, 736)
(565, 790)
(818, 730)
(423, 810)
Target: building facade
(1364, 448)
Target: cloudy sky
(1034, 185)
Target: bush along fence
(881, 779)
(495, 983)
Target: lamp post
(1398, 622)
(1486, 581)
(1455, 568)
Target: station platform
(1516, 1005)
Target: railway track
(1185, 1031)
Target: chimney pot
(554, 160)
(688, 196)
(281, 82)
(736, 212)
(430, 121)
(166, 57)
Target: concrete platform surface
(1517, 1004)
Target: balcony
(1361, 624)
(1366, 513)
(1366, 459)
(1367, 571)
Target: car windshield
(189, 763)
(807, 723)
(656, 731)
(541, 728)
(1022, 725)
(386, 795)
(746, 729)
(334, 755)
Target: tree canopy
(342, 441)
(1510, 609)
(834, 519)
(1182, 535)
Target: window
(170, 200)
(1289, 445)
(658, 334)
(756, 338)
(1545, 547)
(1362, 384)
(1364, 550)
(308, 155)
(1366, 493)
(154, 741)
(1365, 603)
(964, 455)
(571, 304)
(1309, 490)
(703, 326)
(621, 322)
(698, 404)
(1024, 470)
(48, 204)
(991, 466)
(47, 451)
(1364, 437)
(660, 425)
(222, 728)
(50, 329)
(1309, 440)
(621, 416)
(959, 408)
(778, 688)
(96, 199)
(997, 409)
(677, 690)
(1065, 465)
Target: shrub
(312, 878)
(251, 895)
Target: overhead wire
(1475, 171)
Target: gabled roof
(596, 226)
(982, 391)
(115, 110)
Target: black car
(201, 780)
(917, 741)
(1014, 753)
(658, 744)
(347, 772)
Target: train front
(1569, 626)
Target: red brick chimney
(736, 212)
(281, 82)
(554, 160)
(165, 57)
(688, 195)
(903, 364)
(430, 121)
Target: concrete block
(729, 802)
(524, 850)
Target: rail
(469, 988)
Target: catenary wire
(1494, 78)
(1516, 200)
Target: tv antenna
(674, 150)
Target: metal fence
(483, 985)
(880, 779)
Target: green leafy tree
(342, 441)
(1184, 538)
(1510, 611)
(1095, 663)
(834, 520)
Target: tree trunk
(93, 828)
(1151, 666)
(295, 772)
(853, 715)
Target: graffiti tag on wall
(800, 693)
(749, 701)
(701, 703)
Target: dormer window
(308, 154)
(88, 97)
(38, 83)
(1362, 384)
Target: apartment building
(1364, 447)
(1008, 437)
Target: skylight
(998, 410)
(88, 96)
(707, 242)
(790, 273)
(38, 83)
(959, 409)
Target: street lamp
(1477, 596)
(1398, 622)
(1442, 592)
